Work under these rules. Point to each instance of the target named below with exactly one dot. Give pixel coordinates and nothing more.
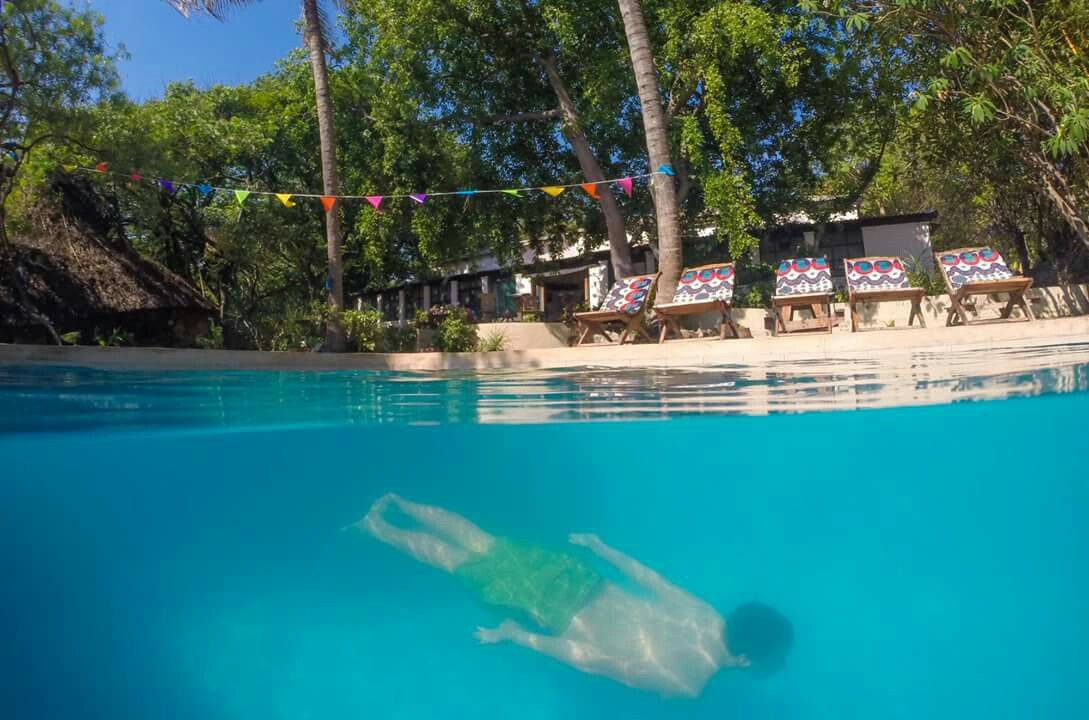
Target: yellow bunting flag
(591, 190)
(285, 199)
(553, 190)
(328, 202)
(513, 193)
(69, 168)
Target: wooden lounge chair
(708, 288)
(626, 303)
(879, 279)
(803, 282)
(980, 271)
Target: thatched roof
(73, 271)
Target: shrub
(920, 277)
(456, 333)
(363, 330)
(400, 340)
(213, 340)
(495, 341)
(758, 296)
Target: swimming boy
(663, 639)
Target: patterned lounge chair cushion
(803, 276)
(712, 283)
(866, 275)
(628, 295)
(974, 265)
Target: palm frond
(216, 8)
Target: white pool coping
(676, 353)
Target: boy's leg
(423, 546)
(452, 525)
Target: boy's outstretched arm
(631, 567)
(571, 652)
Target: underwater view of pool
(181, 544)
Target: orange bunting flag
(101, 167)
(328, 202)
(376, 201)
(591, 190)
(625, 185)
(286, 199)
(553, 190)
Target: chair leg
(916, 311)
(1005, 314)
(781, 318)
(829, 316)
(1026, 307)
(854, 315)
(956, 310)
(585, 329)
(664, 331)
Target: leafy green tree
(54, 64)
(519, 81)
(316, 37)
(1021, 67)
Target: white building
(548, 284)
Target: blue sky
(165, 46)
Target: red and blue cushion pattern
(629, 294)
(866, 275)
(705, 284)
(973, 266)
(803, 276)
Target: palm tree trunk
(315, 44)
(619, 250)
(666, 206)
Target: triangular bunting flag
(513, 193)
(241, 195)
(204, 189)
(625, 185)
(553, 190)
(69, 168)
(465, 192)
(376, 201)
(591, 190)
(667, 170)
(136, 177)
(285, 198)
(418, 197)
(328, 202)
(168, 186)
(101, 167)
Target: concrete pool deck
(801, 348)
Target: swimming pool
(172, 542)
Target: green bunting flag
(240, 196)
(513, 193)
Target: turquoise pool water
(170, 542)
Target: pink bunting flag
(376, 201)
(625, 185)
(418, 197)
(136, 177)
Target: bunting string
(329, 201)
